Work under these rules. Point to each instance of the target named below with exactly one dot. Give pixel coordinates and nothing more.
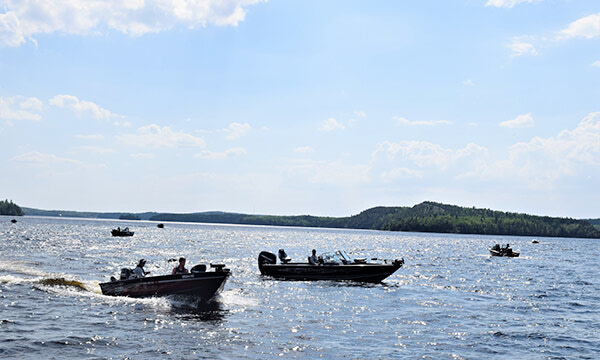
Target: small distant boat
(199, 283)
(333, 266)
(496, 250)
(14, 221)
(160, 226)
(121, 232)
(534, 241)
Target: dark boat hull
(503, 254)
(353, 272)
(121, 233)
(203, 285)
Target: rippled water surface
(450, 300)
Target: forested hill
(7, 207)
(424, 217)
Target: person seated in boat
(139, 271)
(180, 269)
(313, 259)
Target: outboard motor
(125, 274)
(283, 257)
(200, 268)
(266, 257)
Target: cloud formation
(38, 158)
(155, 136)
(403, 121)
(541, 162)
(304, 150)
(521, 45)
(336, 173)
(18, 108)
(331, 124)
(507, 3)
(81, 107)
(237, 130)
(425, 154)
(22, 20)
(587, 27)
(229, 153)
(521, 121)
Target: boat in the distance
(121, 232)
(332, 266)
(505, 251)
(199, 283)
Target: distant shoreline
(427, 217)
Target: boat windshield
(344, 256)
(330, 258)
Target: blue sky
(300, 107)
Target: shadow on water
(333, 283)
(195, 309)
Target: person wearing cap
(180, 269)
(139, 270)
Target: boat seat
(200, 268)
(283, 257)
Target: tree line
(7, 207)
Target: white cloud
(304, 150)
(521, 46)
(521, 121)
(124, 124)
(15, 108)
(331, 124)
(145, 156)
(89, 137)
(237, 130)
(587, 27)
(596, 64)
(403, 121)
(155, 136)
(426, 154)
(541, 162)
(37, 158)
(211, 155)
(507, 3)
(468, 83)
(400, 173)
(335, 173)
(23, 20)
(81, 107)
(360, 114)
(96, 149)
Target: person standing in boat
(180, 269)
(313, 259)
(139, 271)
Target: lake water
(451, 300)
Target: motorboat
(160, 226)
(199, 283)
(496, 250)
(331, 266)
(121, 232)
